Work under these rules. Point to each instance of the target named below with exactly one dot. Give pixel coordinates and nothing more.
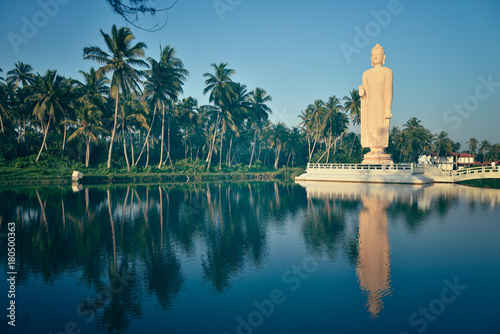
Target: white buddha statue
(376, 102)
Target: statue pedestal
(366, 173)
(376, 156)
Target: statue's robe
(377, 83)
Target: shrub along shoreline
(54, 175)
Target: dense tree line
(128, 113)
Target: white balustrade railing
(475, 170)
(415, 168)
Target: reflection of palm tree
(112, 227)
(324, 226)
(164, 275)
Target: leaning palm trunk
(220, 151)
(211, 149)
(162, 132)
(253, 148)
(147, 155)
(147, 137)
(168, 144)
(209, 156)
(229, 152)
(19, 134)
(131, 145)
(334, 143)
(64, 139)
(87, 153)
(44, 139)
(314, 146)
(353, 141)
(329, 141)
(125, 146)
(277, 159)
(113, 133)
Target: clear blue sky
(443, 53)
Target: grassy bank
(59, 172)
(483, 183)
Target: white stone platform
(393, 173)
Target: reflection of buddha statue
(376, 102)
(373, 268)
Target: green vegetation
(51, 125)
(483, 183)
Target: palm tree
(396, 143)
(484, 147)
(94, 88)
(3, 105)
(334, 123)
(208, 118)
(259, 112)
(88, 125)
(278, 137)
(443, 144)
(21, 74)
(494, 153)
(221, 91)
(120, 60)
(472, 145)
(416, 138)
(352, 105)
(130, 111)
(312, 119)
(238, 112)
(187, 112)
(69, 94)
(306, 124)
(163, 86)
(176, 76)
(294, 142)
(47, 94)
(20, 77)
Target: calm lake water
(257, 257)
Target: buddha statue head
(378, 55)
